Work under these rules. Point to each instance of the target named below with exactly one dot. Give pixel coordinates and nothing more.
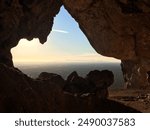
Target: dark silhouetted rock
(20, 93)
(24, 19)
(78, 85)
(55, 78)
(16, 93)
(102, 80)
(96, 82)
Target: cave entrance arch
(65, 44)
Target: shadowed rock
(30, 95)
(96, 82)
(24, 19)
(102, 79)
(78, 85)
(55, 78)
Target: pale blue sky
(66, 43)
(71, 42)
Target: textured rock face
(117, 28)
(136, 73)
(24, 19)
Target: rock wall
(24, 19)
(136, 73)
(115, 28)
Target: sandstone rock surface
(115, 28)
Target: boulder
(101, 79)
(55, 78)
(78, 85)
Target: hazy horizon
(64, 69)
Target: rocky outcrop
(96, 82)
(55, 78)
(117, 28)
(45, 94)
(16, 93)
(102, 80)
(77, 85)
(136, 73)
(24, 19)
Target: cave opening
(66, 50)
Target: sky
(65, 43)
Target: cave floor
(134, 98)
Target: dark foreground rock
(20, 93)
(78, 86)
(55, 78)
(96, 82)
(102, 80)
